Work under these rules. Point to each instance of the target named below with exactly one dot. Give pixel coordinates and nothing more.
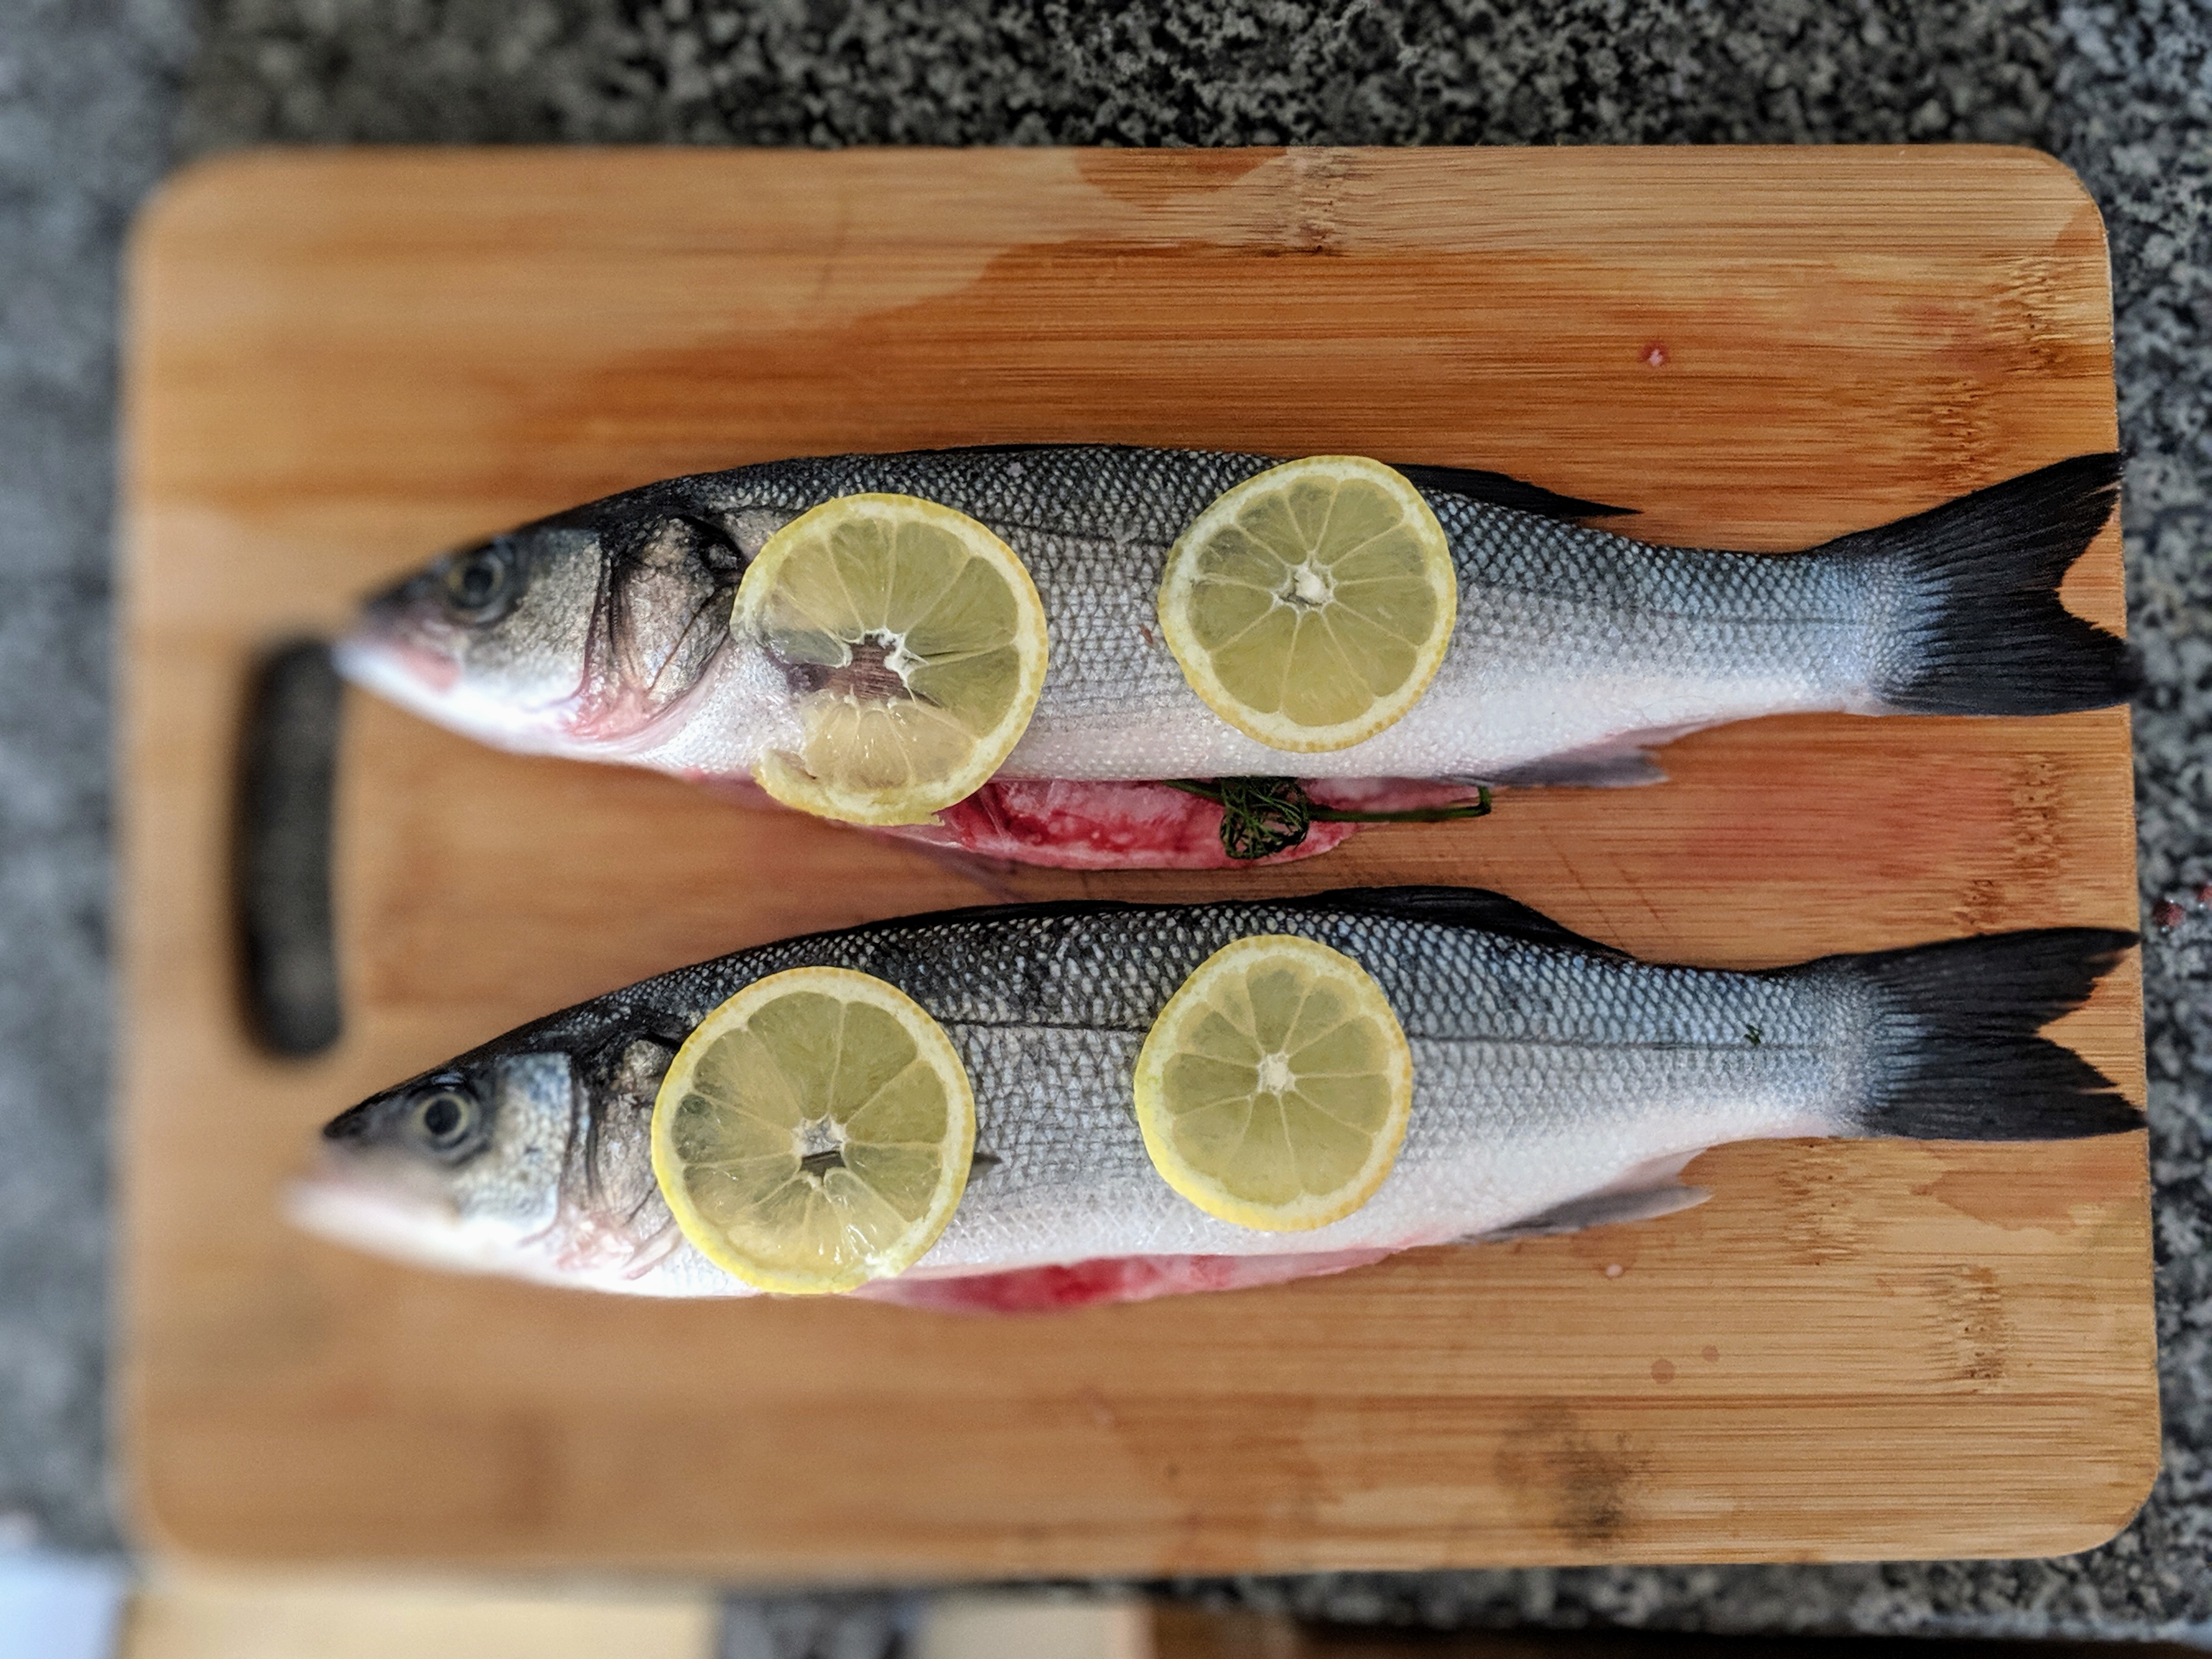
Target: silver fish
(604, 632)
(1558, 1084)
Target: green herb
(1753, 1035)
(1264, 815)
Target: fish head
(532, 1157)
(584, 634)
(493, 639)
(462, 1167)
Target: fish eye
(482, 583)
(444, 1119)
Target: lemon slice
(917, 641)
(1273, 1090)
(815, 1131)
(1310, 605)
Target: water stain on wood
(1985, 1188)
(1968, 1307)
(1584, 1481)
(1128, 176)
(1283, 1439)
(1819, 1227)
(1131, 315)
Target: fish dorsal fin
(1461, 906)
(1446, 906)
(1497, 489)
(1500, 489)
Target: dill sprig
(1264, 815)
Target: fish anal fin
(1622, 761)
(1587, 769)
(1598, 1210)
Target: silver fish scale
(1541, 1072)
(1568, 638)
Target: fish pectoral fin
(1597, 1210)
(750, 527)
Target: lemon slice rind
(960, 759)
(1213, 988)
(953, 1150)
(1223, 532)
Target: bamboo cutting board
(342, 363)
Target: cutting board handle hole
(281, 878)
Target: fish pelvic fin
(1953, 1051)
(1966, 604)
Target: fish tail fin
(1967, 599)
(1953, 1053)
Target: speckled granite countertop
(92, 92)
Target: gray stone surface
(2123, 92)
(86, 88)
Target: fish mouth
(351, 1124)
(350, 1206)
(428, 683)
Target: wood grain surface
(341, 363)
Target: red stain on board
(1655, 354)
(1711, 1353)
(1663, 1370)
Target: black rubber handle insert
(287, 767)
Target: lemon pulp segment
(1310, 605)
(1273, 1090)
(814, 1132)
(915, 643)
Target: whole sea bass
(604, 632)
(1557, 1084)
